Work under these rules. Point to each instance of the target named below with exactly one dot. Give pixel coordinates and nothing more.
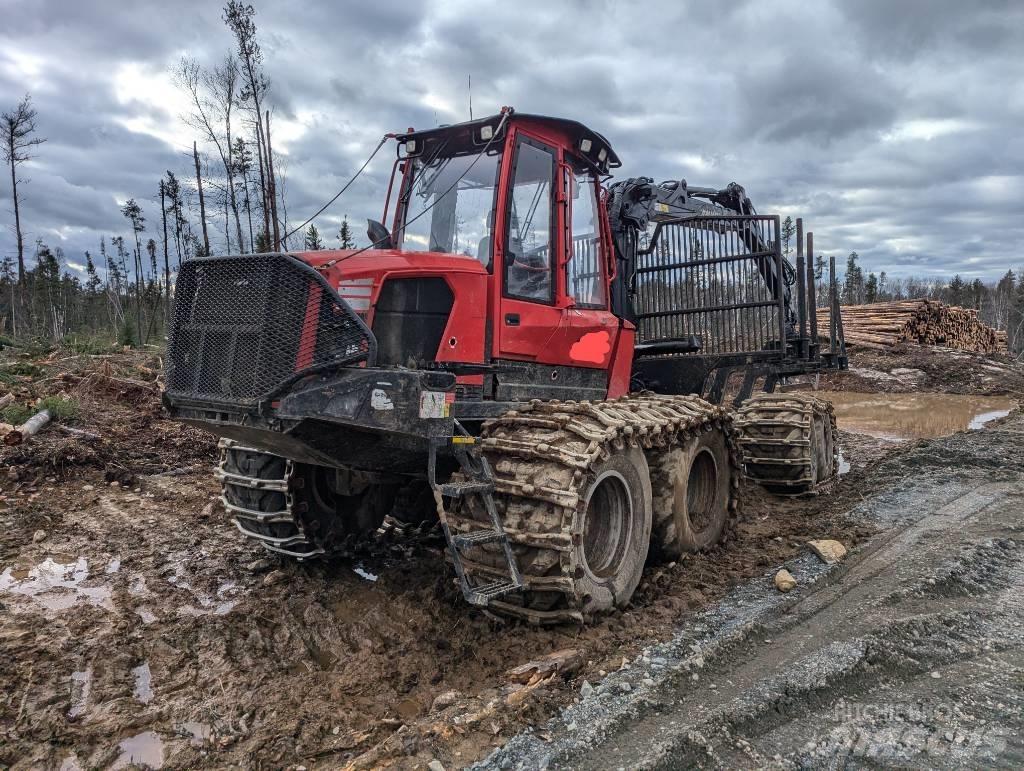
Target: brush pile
(926, 322)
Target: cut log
(925, 322)
(564, 661)
(28, 429)
(78, 432)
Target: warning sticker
(380, 400)
(435, 404)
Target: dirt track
(910, 653)
(138, 624)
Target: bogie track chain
(541, 456)
(789, 443)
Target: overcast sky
(894, 127)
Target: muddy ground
(136, 625)
(914, 368)
(908, 654)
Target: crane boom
(637, 202)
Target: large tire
(693, 487)
(275, 503)
(789, 443)
(610, 535)
(331, 518)
(573, 492)
(301, 514)
(616, 528)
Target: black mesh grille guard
(244, 328)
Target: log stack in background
(926, 322)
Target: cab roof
(581, 136)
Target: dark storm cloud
(893, 128)
(910, 29)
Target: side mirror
(380, 237)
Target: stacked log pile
(926, 322)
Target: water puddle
(147, 616)
(55, 583)
(199, 733)
(81, 683)
(208, 608)
(900, 417)
(143, 690)
(844, 465)
(145, 749)
(137, 587)
(364, 574)
(114, 565)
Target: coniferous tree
(788, 231)
(955, 290)
(853, 283)
(978, 292)
(345, 235)
(239, 18)
(871, 289)
(313, 242)
(92, 283)
(133, 213)
(151, 251)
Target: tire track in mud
(910, 652)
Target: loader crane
(532, 357)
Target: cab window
(584, 280)
(528, 235)
(449, 204)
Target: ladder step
(477, 538)
(483, 594)
(460, 489)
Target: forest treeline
(230, 197)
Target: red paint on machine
(593, 348)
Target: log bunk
(925, 322)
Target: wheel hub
(701, 488)
(607, 525)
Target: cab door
(529, 314)
(554, 305)
(595, 328)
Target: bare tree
(214, 94)
(16, 130)
(282, 176)
(239, 18)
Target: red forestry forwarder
(523, 355)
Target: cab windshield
(449, 204)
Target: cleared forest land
(136, 624)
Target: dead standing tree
(239, 18)
(16, 130)
(214, 94)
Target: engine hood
(422, 306)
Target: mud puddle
(900, 417)
(55, 583)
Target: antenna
(469, 80)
